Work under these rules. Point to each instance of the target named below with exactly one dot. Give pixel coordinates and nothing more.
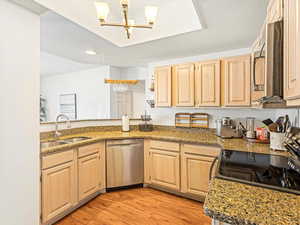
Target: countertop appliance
(124, 163)
(225, 128)
(269, 171)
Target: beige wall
(19, 115)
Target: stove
(269, 171)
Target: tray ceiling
(229, 24)
(174, 17)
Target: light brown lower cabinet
(181, 167)
(70, 177)
(163, 164)
(164, 169)
(196, 166)
(90, 170)
(58, 184)
(195, 173)
(88, 175)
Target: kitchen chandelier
(102, 9)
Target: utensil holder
(276, 141)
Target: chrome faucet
(68, 122)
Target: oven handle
(212, 167)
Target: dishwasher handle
(122, 144)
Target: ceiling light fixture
(90, 52)
(102, 9)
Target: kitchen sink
(49, 144)
(75, 139)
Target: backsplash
(166, 116)
(294, 115)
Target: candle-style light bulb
(102, 9)
(151, 13)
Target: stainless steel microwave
(273, 80)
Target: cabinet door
(184, 85)
(88, 175)
(195, 174)
(208, 84)
(292, 50)
(274, 11)
(58, 190)
(237, 81)
(164, 169)
(163, 88)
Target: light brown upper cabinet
(184, 84)
(208, 83)
(292, 52)
(163, 88)
(236, 75)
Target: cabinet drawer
(165, 145)
(201, 150)
(57, 159)
(89, 149)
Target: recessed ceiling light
(90, 52)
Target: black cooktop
(270, 171)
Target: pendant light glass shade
(151, 13)
(102, 10)
(124, 2)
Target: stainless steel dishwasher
(124, 162)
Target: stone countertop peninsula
(241, 204)
(193, 136)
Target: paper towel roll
(125, 123)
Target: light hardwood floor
(141, 206)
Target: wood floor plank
(141, 206)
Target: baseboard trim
(177, 193)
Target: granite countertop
(238, 204)
(227, 201)
(200, 137)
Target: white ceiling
(31, 5)
(55, 65)
(228, 24)
(171, 20)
